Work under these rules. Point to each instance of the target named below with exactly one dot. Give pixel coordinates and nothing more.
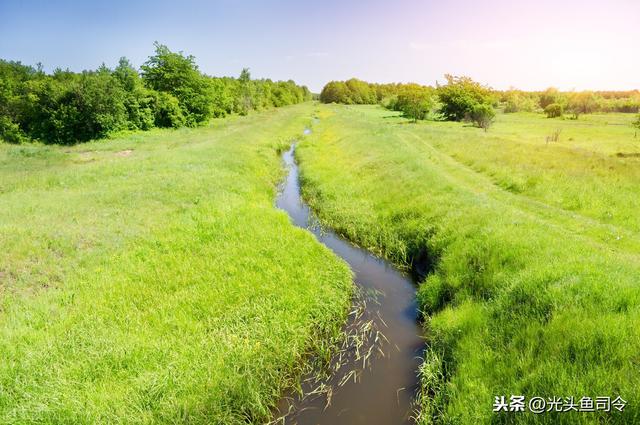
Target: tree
(519, 101)
(415, 101)
(549, 96)
(636, 124)
(246, 92)
(335, 92)
(460, 96)
(582, 103)
(178, 75)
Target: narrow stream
(384, 392)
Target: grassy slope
(162, 286)
(528, 296)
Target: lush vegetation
(534, 249)
(67, 107)
(151, 280)
(461, 98)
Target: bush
(460, 96)
(416, 102)
(482, 115)
(167, 111)
(10, 132)
(554, 110)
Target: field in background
(532, 240)
(150, 278)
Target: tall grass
(528, 294)
(150, 279)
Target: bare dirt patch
(125, 153)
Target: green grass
(159, 285)
(534, 246)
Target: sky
(529, 45)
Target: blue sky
(529, 45)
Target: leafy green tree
(550, 96)
(13, 80)
(335, 92)
(360, 92)
(246, 92)
(460, 96)
(582, 103)
(519, 101)
(138, 100)
(415, 101)
(68, 107)
(178, 75)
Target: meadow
(530, 243)
(150, 279)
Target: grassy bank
(150, 279)
(533, 246)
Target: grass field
(149, 279)
(534, 249)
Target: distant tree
(636, 124)
(69, 108)
(460, 96)
(482, 115)
(126, 74)
(247, 93)
(582, 103)
(178, 75)
(139, 101)
(519, 101)
(360, 92)
(549, 96)
(335, 92)
(415, 101)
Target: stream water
(384, 392)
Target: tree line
(169, 91)
(461, 98)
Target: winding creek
(384, 392)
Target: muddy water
(384, 392)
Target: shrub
(460, 96)
(10, 132)
(554, 110)
(167, 111)
(482, 115)
(416, 102)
